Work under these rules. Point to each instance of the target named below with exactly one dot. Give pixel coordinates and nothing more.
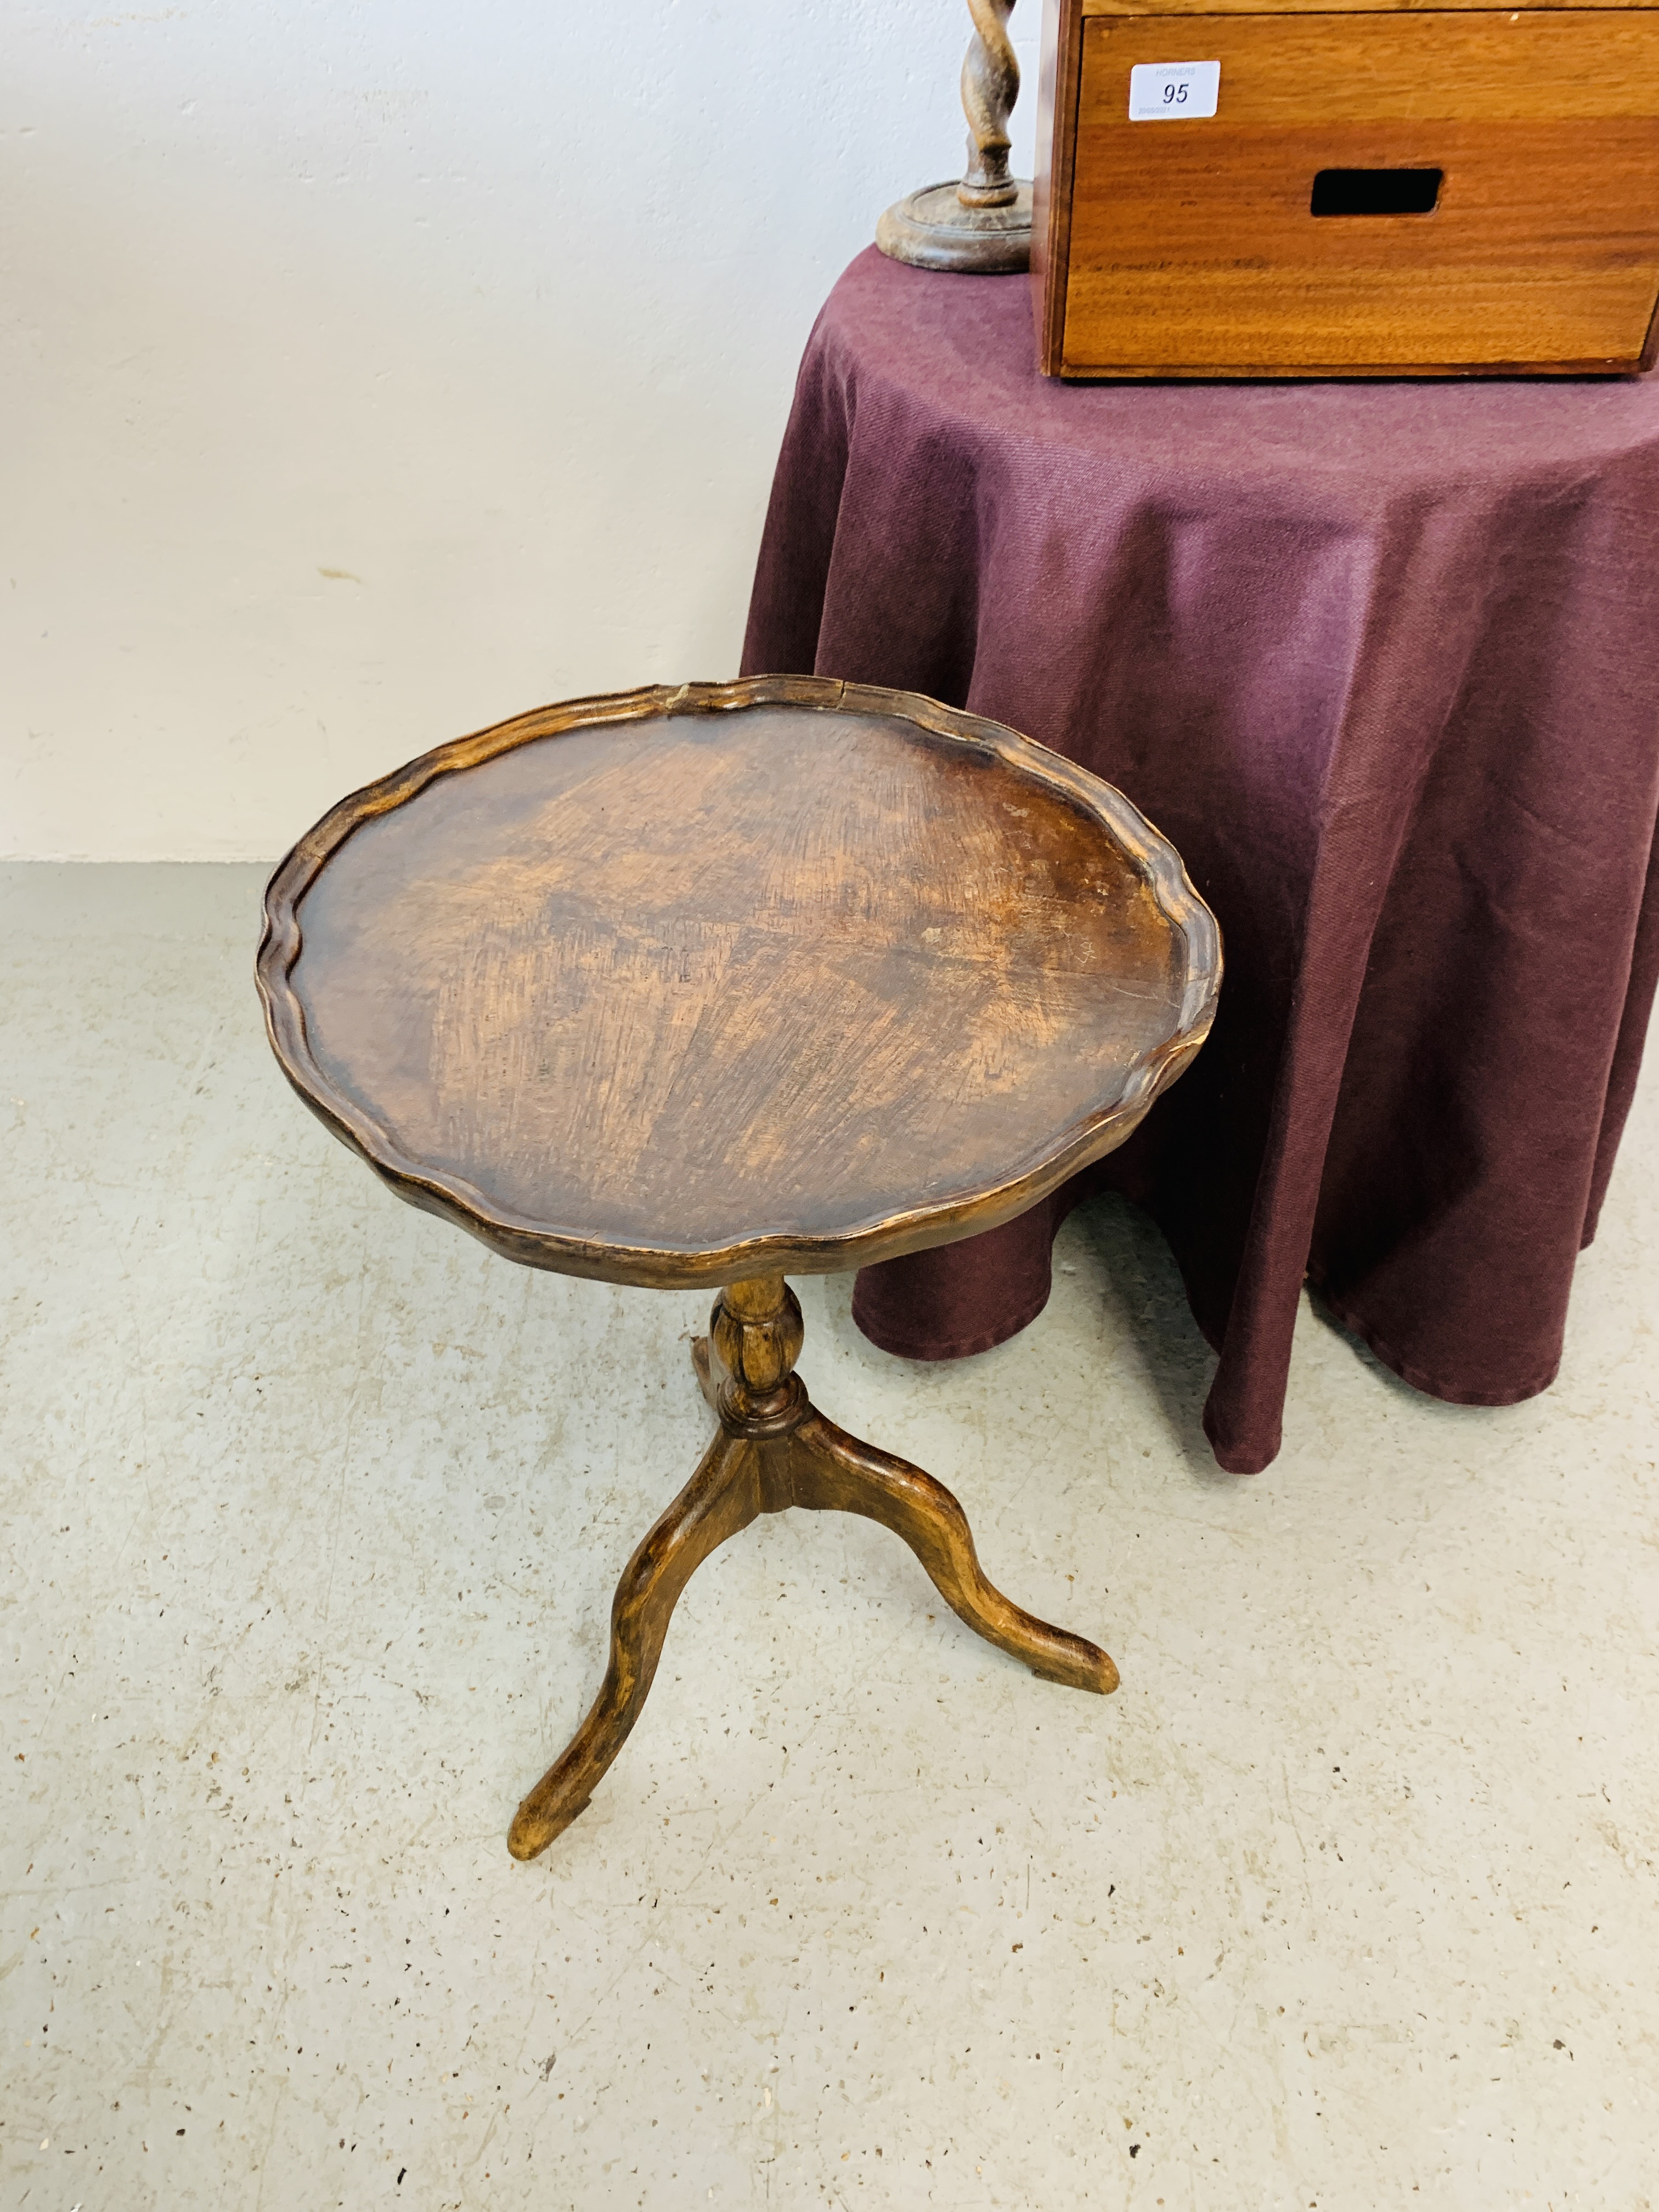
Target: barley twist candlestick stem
(982, 224)
(990, 86)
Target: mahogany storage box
(1285, 188)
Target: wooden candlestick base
(774, 1450)
(931, 229)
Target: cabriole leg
(774, 1450)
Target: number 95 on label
(1173, 92)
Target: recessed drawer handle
(1375, 191)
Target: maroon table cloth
(1382, 660)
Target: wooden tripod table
(718, 984)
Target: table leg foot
(833, 1471)
(723, 1496)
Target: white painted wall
(373, 369)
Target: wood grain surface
(1190, 248)
(672, 987)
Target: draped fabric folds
(1382, 661)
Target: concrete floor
(1345, 1900)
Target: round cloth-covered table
(1382, 661)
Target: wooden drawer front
(1193, 246)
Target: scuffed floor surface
(314, 1508)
